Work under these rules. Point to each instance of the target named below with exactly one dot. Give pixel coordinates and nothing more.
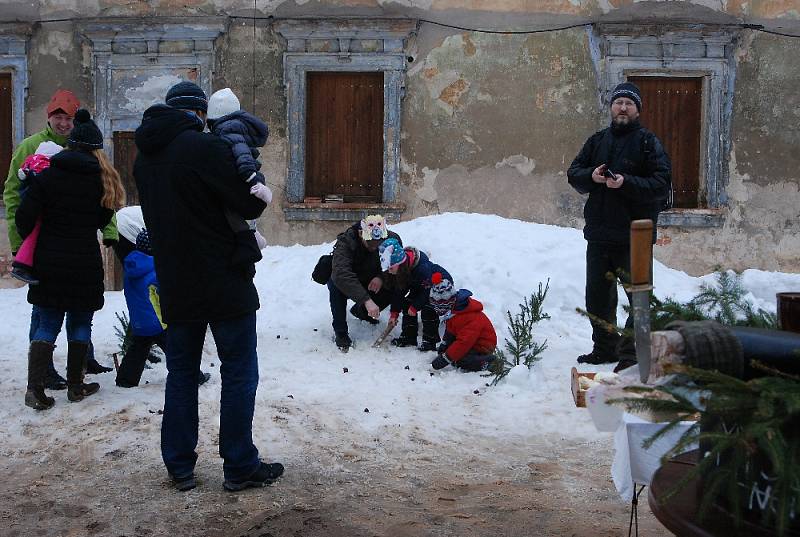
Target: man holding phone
(627, 175)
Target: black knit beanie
(187, 96)
(629, 90)
(85, 134)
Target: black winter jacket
(638, 155)
(244, 133)
(186, 180)
(353, 265)
(419, 286)
(67, 260)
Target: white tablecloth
(634, 464)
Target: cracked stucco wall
(490, 122)
(762, 224)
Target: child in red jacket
(469, 338)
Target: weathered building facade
(406, 108)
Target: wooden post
(641, 252)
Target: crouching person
(469, 339)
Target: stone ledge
(341, 211)
(697, 218)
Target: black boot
(40, 356)
(93, 367)
(408, 332)
(52, 380)
(343, 341)
(76, 368)
(430, 330)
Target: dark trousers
(338, 302)
(130, 370)
(475, 361)
(430, 324)
(605, 266)
(236, 346)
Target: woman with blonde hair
(75, 197)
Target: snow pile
(305, 396)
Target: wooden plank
(6, 126)
(672, 109)
(344, 135)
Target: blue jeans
(236, 345)
(46, 324)
(36, 315)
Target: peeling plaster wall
(762, 224)
(490, 122)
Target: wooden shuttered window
(124, 157)
(672, 109)
(6, 127)
(344, 136)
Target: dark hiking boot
(40, 355)
(203, 378)
(24, 275)
(266, 474)
(360, 312)
(93, 367)
(343, 341)
(153, 358)
(625, 362)
(404, 341)
(183, 483)
(427, 346)
(77, 390)
(595, 358)
(52, 380)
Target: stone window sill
(694, 218)
(342, 211)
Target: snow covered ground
(306, 398)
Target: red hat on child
(65, 101)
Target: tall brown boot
(76, 368)
(39, 358)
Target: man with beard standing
(627, 174)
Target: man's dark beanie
(187, 96)
(85, 134)
(629, 90)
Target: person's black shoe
(625, 362)
(54, 381)
(203, 378)
(343, 341)
(426, 346)
(594, 358)
(184, 483)
(404, 341)
(153, 358)
(266, 474)
(93, 367)
(360, 312)
(24, 275)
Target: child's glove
(440, 362)
(394, 315)
(412, 311)
(441, 348)
(262, 192)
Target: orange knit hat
(63, 100)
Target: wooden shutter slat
(6, 126)
(672, 109)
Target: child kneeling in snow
(469, 338)
(244, 133)
(22, 267)
(144, 308)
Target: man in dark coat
(186, 181)
(357, 275)
(627, 174)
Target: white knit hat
(48, 148)
(222, 103)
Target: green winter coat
(11, 196)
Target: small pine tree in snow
(521, 348)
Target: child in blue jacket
(144, 309)
(413, 274)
